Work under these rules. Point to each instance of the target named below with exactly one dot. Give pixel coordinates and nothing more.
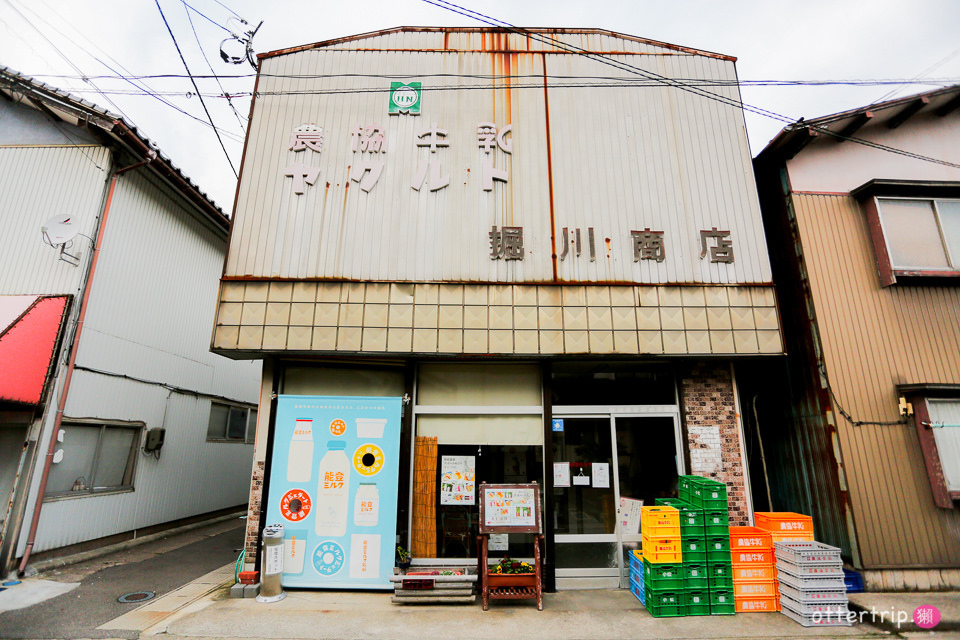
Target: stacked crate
(662, 561)
(636, 576)
(754, 570)
(696, 580)
(704, 522)
(812, 586)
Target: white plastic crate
(807, 608)
(828, 596)
(814, 619)
(831, 570)
(809, 583)
(807, 552)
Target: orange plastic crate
(754, 571)
(757, 604)
(749, 538)
(796, 536)
(754, 588)
(784, 522)
(753, 556)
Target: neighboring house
(865, 246)
(560, 282)
(114, 415)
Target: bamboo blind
(424, 533)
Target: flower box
(515, 580)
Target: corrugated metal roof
(19, 87)
(891, 113)
(553, 40)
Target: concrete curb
(83, 556)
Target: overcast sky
(813, 40)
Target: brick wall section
(707, 404)
(253, 515)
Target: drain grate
(136, 596)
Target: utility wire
(215, 131)
(735, 102)
(190, 8)
(484, 76)
(228, 9)
(204, 55)
(129, 78)
(64, 56)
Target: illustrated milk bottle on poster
(333, 491)
(300, 457)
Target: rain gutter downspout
(62, 401)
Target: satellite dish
(59, 230)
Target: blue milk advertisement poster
(333, 486)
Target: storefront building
(540, 241)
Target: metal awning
(29, 332)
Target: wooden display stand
(510, 508)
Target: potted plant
(512, 573)
(403, 558)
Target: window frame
(250, 422)
(137, 425)
(918, 396)
(870, 195)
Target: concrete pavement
(586, 615)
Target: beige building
(542, 241)
(868, 202)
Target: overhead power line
(215, 131)
(697, 91)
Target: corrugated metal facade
(38, 183)
(614, 159)
(153, 298)
(874, 338)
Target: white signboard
(457, 479)
(510, 508)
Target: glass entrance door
(640, 454)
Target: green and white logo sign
(405, 98)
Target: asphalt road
(160, 567)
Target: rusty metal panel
(38, 183)
(613, 159)
(874, 338)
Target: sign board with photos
(510, 508)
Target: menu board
(457, 479)
(333, 485)
(510, 508)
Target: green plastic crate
(691, 517)
(721, 602)
(695, 576)
(716, 522)
(720, 582)
(694, 549)
(718, 549)
(720, 569)
(696, 602)
(665, 604)
(663, 576)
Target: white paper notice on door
(561, 474)
(601, 475)
(628, 515)
(364, 555)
